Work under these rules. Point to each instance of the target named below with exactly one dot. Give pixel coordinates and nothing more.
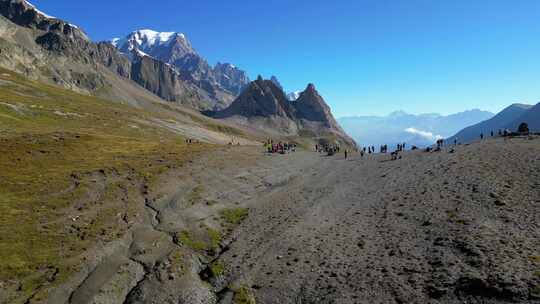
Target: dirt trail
(428, 228)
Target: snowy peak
(150, 42)
(293, 96)
(174, 48)
(149, 38)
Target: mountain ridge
(499, 121)
(175, 49)
(415, 129)
(265, 105)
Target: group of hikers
(382, 149)
(330, 149)
(279, 147)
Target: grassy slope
(53, 142)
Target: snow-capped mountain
(175, 49)
(165, 46)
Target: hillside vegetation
(71, 167)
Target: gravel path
(442, 227)
(430, 227)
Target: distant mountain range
(398, 127)
(509, 118)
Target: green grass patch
(234, 216)
(52, 144)
(206, 239)
(187, 239)
(215, 238)
(243, 295)
(217, 269)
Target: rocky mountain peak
(264, 99)
(275, 80)
(165, 46)
(174, 48)
(231, 78)
(311, 106)
(25, 14)
(311, 88)
(261, 98)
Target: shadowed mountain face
(24, 14)
(264, 104)
(419, 130)
(174, 49)
(531, 117)
(507, 118)
(262, 98)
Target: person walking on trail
(345, 153)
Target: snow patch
(38, 11)
(149, 38)
(293, 95)
(115, 41)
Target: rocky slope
(264, 106)
(50, 49)
(222, 82)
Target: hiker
(345, 151)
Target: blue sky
(364, 56)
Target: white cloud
(425, 134)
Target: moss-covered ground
(64, 159)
